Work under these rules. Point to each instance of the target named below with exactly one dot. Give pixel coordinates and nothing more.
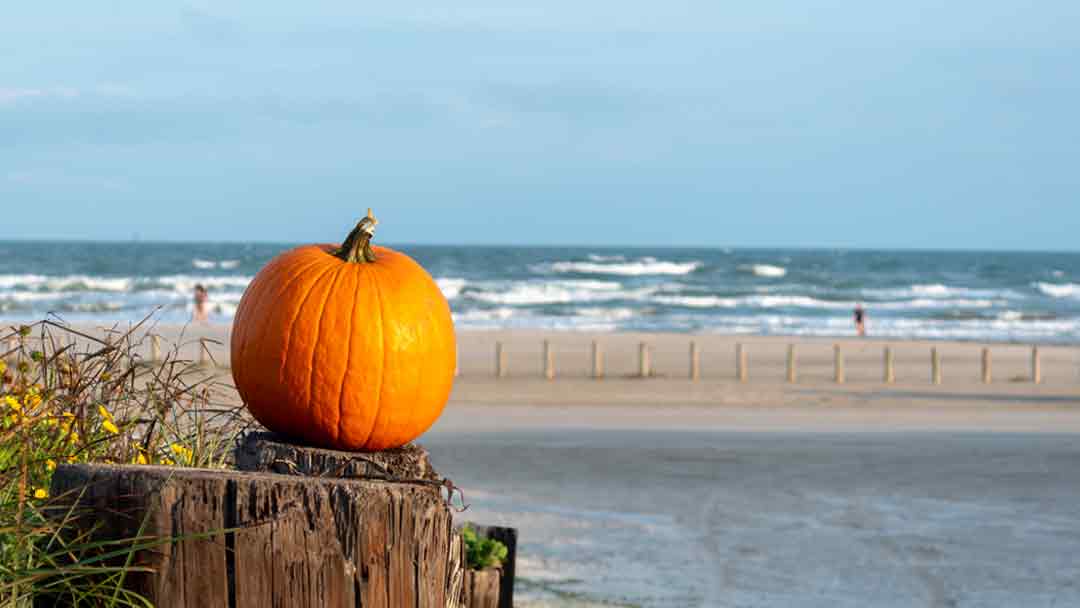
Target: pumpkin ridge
(348, 360)
(382, 366)
(261, 330)
(318, 338)
(292, 327)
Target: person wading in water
(860, 320)
(201, 297)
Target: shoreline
(219, 327)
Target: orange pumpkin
(347, 347)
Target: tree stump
(272, 453)
(258, 540)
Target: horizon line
(548, 245)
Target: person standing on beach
(201, 298)
(860, 320)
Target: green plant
(481, 553)
(70, 397)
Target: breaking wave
(641, 267)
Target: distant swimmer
(860, 320)
(201, 299)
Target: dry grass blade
(70, 396)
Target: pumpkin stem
(357, 246)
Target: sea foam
(1055, 290)
(765, 270)
(640, 267)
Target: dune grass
(71, 397)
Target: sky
(917, 124)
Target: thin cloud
(13, 95)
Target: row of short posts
(202, 357)
(742, 368)
(742, 365)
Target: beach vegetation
(482, 553)
(68, 398)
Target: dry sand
(766, 402)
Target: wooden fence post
(838, 364)
(644, 360)
(742, 371)
(155, 348)
(987, 367)
(1036, 365)
(792, 365)
(505, 591)
(549, 361)
(935, 366)
(890, 367)
(500, 361)
(695, 361)
(597, 360)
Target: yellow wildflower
(73, 437)
(140, 458)
(33, 400)
(68, 415)
(41, 493)
(167, 461)
(3, 367)
(50, 421)
(106, 414)
(109, 426)
(50, 464)
(72, 459)
(13, 403)
(182, 453)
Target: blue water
(956, 295)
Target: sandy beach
(765, 402)
(666, 492)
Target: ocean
(992, 296)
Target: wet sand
(665, 517)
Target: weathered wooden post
(890, 367)
(500, 360)
(838, 364)
(987, 367)
(478, 585)
(644, 360)
(549, 361)
(253, 539)
(742, 371)
(597, 360)
(935, 366)
(792, 370)
(695, 362)
(1036, 365)
(270, 453)
(155, 348)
